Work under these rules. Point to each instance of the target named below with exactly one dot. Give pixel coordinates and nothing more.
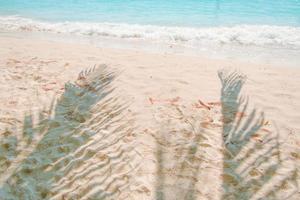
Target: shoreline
(244, 54)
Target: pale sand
(158, 87)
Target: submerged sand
(184, 127)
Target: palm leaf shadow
(252, 154)
(82, 138)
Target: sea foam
(258, 35)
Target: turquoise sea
(194, 13)
(274, 23)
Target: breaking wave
(258, 35)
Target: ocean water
(192, 13)
(262, 23)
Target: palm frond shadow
(75, 151)
(252, 156)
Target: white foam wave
(261, 35)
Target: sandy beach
(178, 122)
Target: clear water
(192, 13)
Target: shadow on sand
(179, 150)
(253, 165)
(83, 149)
(75, 151)
(252, 154)
(178, 180)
